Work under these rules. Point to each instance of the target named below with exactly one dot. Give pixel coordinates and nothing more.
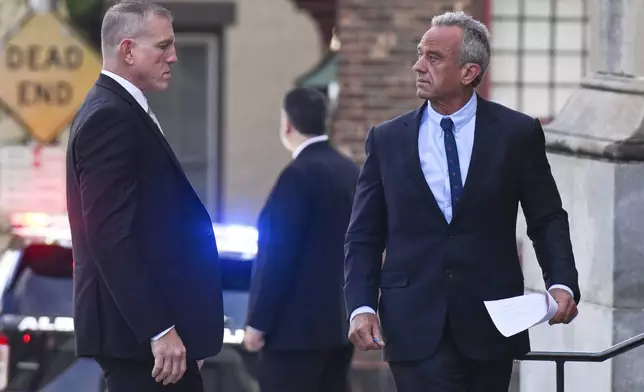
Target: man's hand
(169, 358)
(567, 307)
(364, 332)
(253, 340)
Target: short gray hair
(125, 20)
(475, 47)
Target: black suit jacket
(435, 272)
(296, 291)
(145, 256)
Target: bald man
(147, 277)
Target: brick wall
(379, 39)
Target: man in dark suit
(297, 314)
(147, 284)
(440, 190)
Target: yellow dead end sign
(45, 72)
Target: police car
(37, 350)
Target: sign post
(46, 70)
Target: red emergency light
(36, 220)
(231, 238)
(37, 224)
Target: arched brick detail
(324, 13)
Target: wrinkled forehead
(442, 39)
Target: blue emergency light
(238, 240)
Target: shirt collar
(308, 142)
(460, 118)
(132, 89)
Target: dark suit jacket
(436, 272)
(145, 256)
(296, 291)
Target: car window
(43, 283)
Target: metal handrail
(560, 358)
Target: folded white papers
(517, 314)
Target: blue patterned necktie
(453, 167)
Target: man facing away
(147, 284)
(297, 314)
(440, 190)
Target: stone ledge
(627, 84)
(614, 151)
(603, 119)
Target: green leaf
(82, 7)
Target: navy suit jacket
(296, 291)
(145, 256)
(437, 272)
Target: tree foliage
(86, 15)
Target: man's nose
(173, 56)
(418, 66)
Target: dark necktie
(453, 167)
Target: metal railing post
(560, 376)
(560, 358)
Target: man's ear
(469, 73)
(289, 127)
(125, 48)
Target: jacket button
(449, 274)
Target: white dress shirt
(308, 142)
(431, 149)
(132, 89)
(137, 94)
(433, 161)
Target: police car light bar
(231, 239)
(66, 324)
(47, 227)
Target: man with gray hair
(147, 281)
(440, 190)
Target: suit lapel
(157, 133)
(110, 84)
(485, 134)
(412, 130)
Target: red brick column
(379, 39)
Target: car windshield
(42, 283)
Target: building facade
(222, 112)
(539, 55)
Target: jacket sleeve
(547, 221)
(106, 156)
(366, 235)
